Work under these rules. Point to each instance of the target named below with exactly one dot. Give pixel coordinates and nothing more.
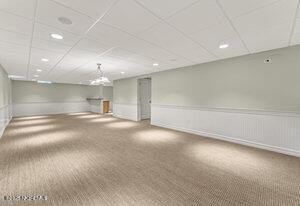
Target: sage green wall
(32, 92)
(108, 93)
(125, 91)
(5, 88)
(244, 82)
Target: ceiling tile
(13, 68)
(214, 35)
(33, 68)
(92, 8)
(41, 75)
(16, 38)
(69, 63)
(14, 58)
(23, 8)
(236, 48)
(217, 35)
(38, 54)
(92, 46)
(270, 38)
(129, 16)
(121, 53)
(134, 37)
(296, 36)
(201, 15)
(43, 32)
(236, 8)
(148, 50)
(55, 74)
(167, 7)
(167, 37)
(278, 13)
(295, 39)
(15, 23)
(197, 55)
(13, 52)
(50, 46)
(82, 54)
(106, 34)
(49, 12)
(75, 58)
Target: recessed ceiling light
(36, 75)
(38, 70)
(65, 20)
(122, 72)
(155, 64)
(44, 60)
(57, 36)
(223, 46)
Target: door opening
(144, 98)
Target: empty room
(150, 102)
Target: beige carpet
(88, 159)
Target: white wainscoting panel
(5, 117)
(275, 131)
(126, 111)
(95, 108)
(29, 109)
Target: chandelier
(101, 78)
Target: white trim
(274, 131)
(126, 111)
(234, 140)
(234, 110)
(44, 108)
(6, 116)
(132, 104)
(49, 102)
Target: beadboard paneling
(275, 131)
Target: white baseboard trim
(5, 118)
(126, 111)
(95, 109)
(274, 131)
(229, 139)
(125, 117)
(44, 108)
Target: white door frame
(139, 108)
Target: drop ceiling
(128, 36)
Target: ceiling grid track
(31, 38)
(79, 12)
(294, 23)
(155, 45)
(233, 27)
(85, 33)
(134, 36)
(182, 33)
(100, 55)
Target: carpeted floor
(87, 159)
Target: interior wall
(5, 100)
(125, 98)
(32, 98)
(241, 99)
(108, 95)
(238, 83)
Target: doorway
(144, 90)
